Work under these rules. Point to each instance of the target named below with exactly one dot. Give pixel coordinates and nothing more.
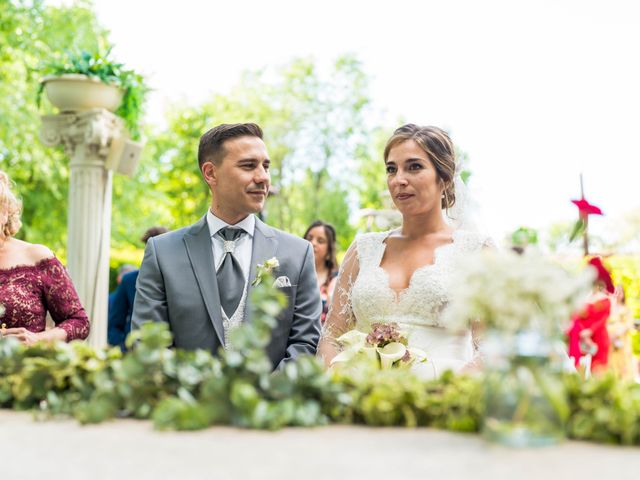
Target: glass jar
(525, 400)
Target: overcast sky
(534, 91)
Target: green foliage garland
(192, 390)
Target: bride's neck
(421, 225)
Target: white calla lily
(353, 338)
(343, 356)
(390, 353)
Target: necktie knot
(230, 234)
(229, 237)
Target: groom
(198, 279)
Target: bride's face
(412, 179)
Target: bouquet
(385, 343)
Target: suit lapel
(198, 244)
(264, 248)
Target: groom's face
(240, 181)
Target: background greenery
(324, 145)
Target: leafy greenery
(30, 32)
(109, 72)
(604, 410)
(193, 390)
(524, 236)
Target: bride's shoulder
(366, 242)
(370, 238)
(472, 240)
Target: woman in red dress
(32, 283)
(588, 330)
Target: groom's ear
(210, 173)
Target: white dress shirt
(244, 245)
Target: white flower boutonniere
(264, 269)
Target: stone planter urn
(75, 92)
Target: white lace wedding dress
(363, 296)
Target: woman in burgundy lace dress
(32, 282)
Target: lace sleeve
(62, 301)
(340, 318)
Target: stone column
(87, 137)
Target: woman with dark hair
(32, 283)
(323, 239)
(404, 275)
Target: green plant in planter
(109, 72)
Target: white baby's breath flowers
(2, 310)
(513, 293)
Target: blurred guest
(121, 307)
(620, 327)
(32, 283)
(125, 268)
(588, 334)
(323, 239)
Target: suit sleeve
(150, 303)
(305, 325)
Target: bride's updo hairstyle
(10, 209)
(439, 149)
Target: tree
(314, 125)
(31, 33)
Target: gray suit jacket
(177, 285)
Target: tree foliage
(30, 33)
(326, 150)
(314, 124)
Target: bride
(404, 275)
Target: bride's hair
(10, 209)
(438, 147)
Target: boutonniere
(264, 269)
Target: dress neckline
(21, 267)
(398, 294)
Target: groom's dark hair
(211, 146)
